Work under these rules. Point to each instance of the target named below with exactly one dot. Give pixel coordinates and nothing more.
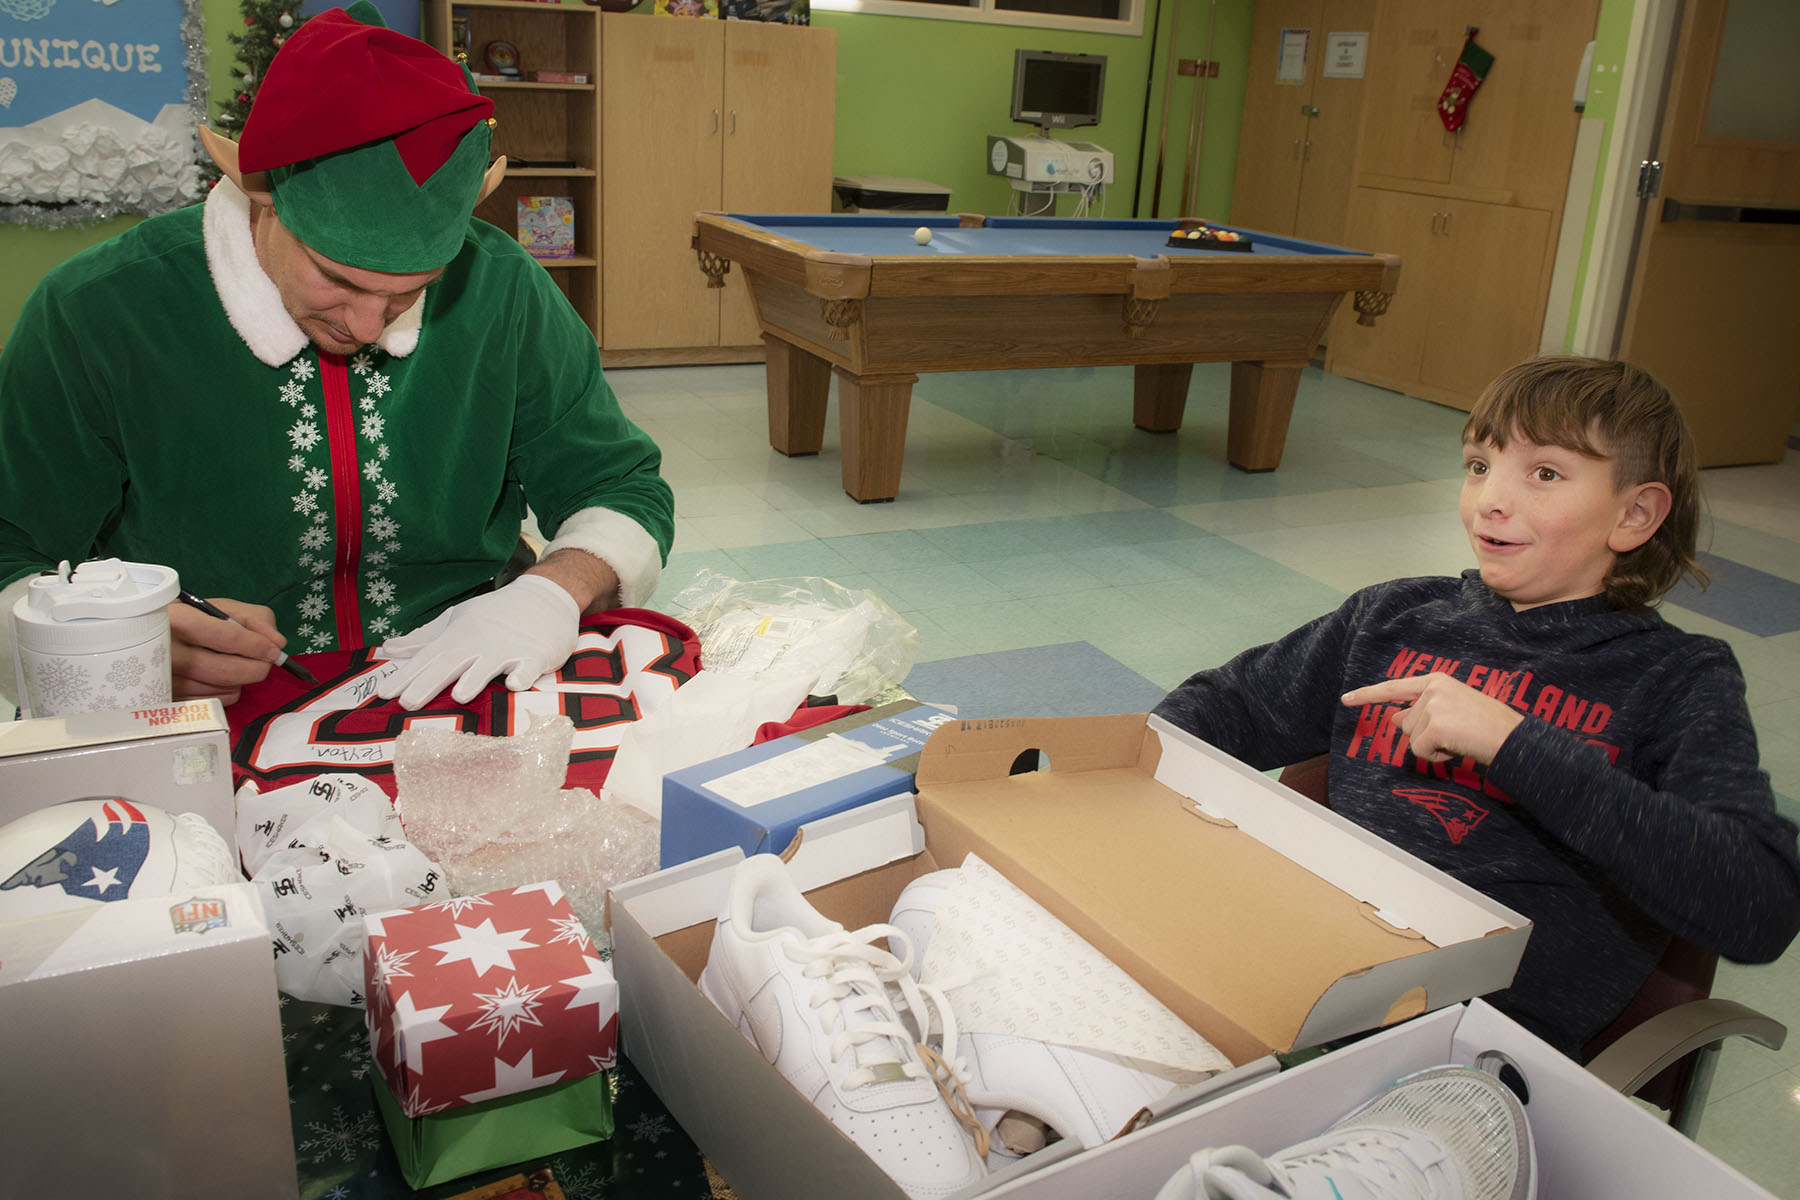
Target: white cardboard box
(143, 1044)
(1264, 920)
(175, 756)
(1592, 1143)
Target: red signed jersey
(627, 664)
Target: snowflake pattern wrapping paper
(479, 997)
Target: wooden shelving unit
(541, 122)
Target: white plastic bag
(855, 645)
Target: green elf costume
(159, 403)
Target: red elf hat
(375, 144)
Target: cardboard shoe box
(143, 1045)
(758, 797)
(1591, 1142)
(1265, 921)
(174, 756)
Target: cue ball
(922, 235)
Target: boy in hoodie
(1534, 728)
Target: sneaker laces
(931, 1013)
(853, 977)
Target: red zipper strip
(346, 489)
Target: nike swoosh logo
(764, 1011)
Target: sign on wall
(98, 104)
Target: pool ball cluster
(1205, 237)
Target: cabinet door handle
(1296, 149)
(1306, 151)
(1447, 217)
(734, 120)
(715, 120)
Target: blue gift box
(757, 798)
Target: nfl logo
(198, 915)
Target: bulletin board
(99, 100)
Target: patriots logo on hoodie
(98, 860)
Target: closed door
(778, 118)
(1715, 301)
(1520, 134)
(1328, 153)
(1265, 192)
(1407, 224)
(662, 89)
(1487, 307)
(1412, 51)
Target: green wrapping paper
(496, 1133)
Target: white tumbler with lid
(93, 638)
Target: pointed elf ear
(492, 179)
(224, 153)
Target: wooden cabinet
(1297, 144)
(1516, 145)
(541, 123)
(701, 115)
(1474, 215)
(1473, 278)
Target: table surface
(887, 235)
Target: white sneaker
(1089, 1096)
(1445, 1133)
(814, 999)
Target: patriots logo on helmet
(99, 859)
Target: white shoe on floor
(1445, 1133)
(814, 998)
(1089, 1096)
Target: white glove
(526, 628)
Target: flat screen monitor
(1057, 91)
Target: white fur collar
(251, 301)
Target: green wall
(917, 98)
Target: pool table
(855, 293)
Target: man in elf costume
(327, 395)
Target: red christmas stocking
(1471, 68)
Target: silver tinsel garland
(76, 214)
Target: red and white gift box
(479, 997)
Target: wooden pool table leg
(1159, 396)
(1262, 401)
(799, 384)
(872, 413)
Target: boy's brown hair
(1611, 410)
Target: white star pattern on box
(502, 1012)
(392, 964)
(511, 1080)
(596, 990)
(517, 1029)
(417, 1028)
(482, 946)
(570, 929)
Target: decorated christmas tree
(267, 24)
